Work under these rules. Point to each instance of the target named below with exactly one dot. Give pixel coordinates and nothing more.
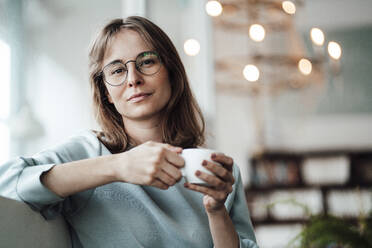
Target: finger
(219, 171)
(213, 181)
(159, 184)
(221, 158)
(165, 178)
(217, 195)
(174, 158)
(175, 149)
(172, 171)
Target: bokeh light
(305, 66)
(334, 50)
(317, 36)
(191, 47)
(251, 73)
(289, 7)
(257, 32)
(213, 8)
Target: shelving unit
(286, 171)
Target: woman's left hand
(220, 184)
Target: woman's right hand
(151, 163)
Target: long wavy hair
(182, 123)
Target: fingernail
(204, 163)
(197, 173)
(213, 155)
(185, 185)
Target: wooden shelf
(294, 221)
(300, 154)
(307, 187)
(272, 161)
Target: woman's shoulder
(82, 138)
(83, 144)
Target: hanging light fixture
(281, 66)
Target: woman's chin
(143, 116)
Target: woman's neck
(143, 131)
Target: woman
(122, 186)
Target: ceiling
(335, 14)
(326, 14)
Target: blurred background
(285, 87)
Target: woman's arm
(220, 224)
(222, 229)
(227, 229)
(151, 163)
(70, 178)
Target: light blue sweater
(120, 214)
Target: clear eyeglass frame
(147, 63)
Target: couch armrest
(20, 226)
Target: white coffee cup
(193, 161)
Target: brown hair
(182, 121)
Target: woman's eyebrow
(114, 62)
(121, 61)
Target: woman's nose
(134, 76)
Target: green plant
(327, 231)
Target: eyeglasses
(148, 63)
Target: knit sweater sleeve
(236, 204)
(20, 177)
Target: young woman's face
(140, 97)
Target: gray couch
(21, 227)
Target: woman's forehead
(125, 45)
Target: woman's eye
(148, 62)
(117, 71)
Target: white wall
(56, 80)
(235, 130)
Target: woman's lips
(139, 98)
